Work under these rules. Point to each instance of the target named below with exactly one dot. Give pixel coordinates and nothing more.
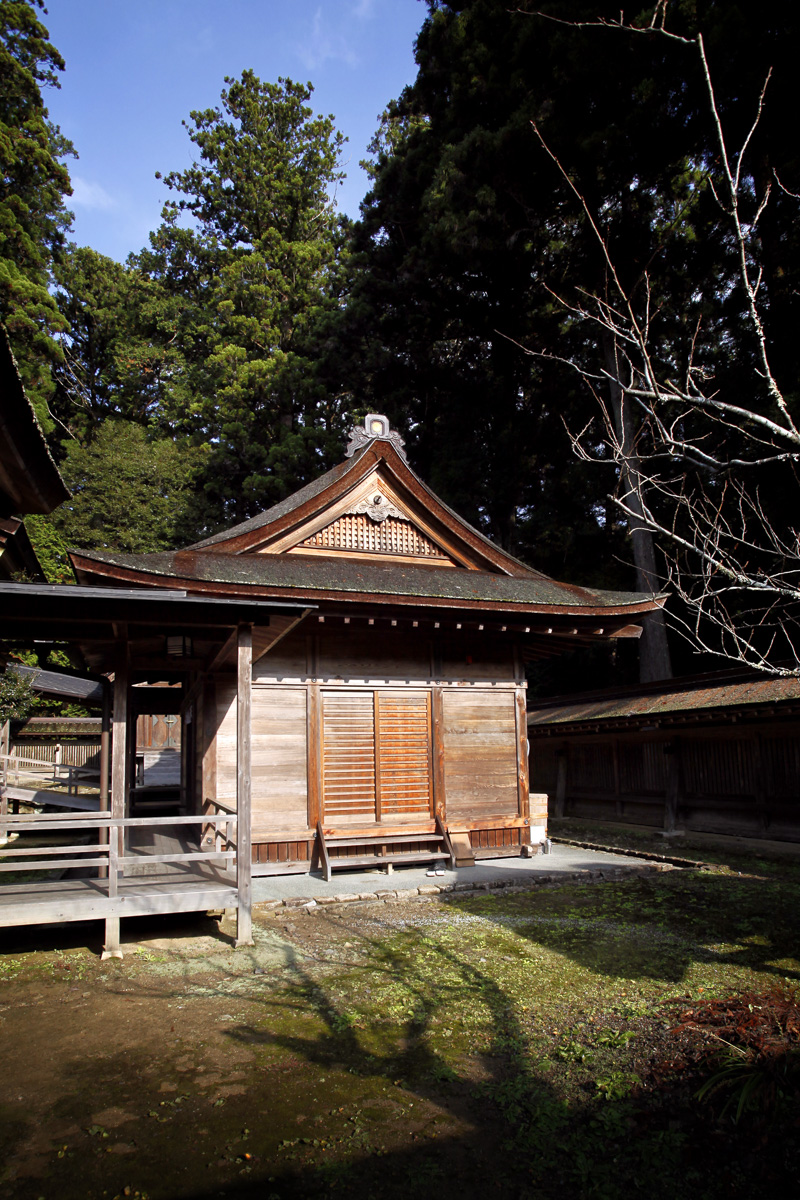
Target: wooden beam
(244, 865)
(226, 653)
(266, 638)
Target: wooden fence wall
(720, 780)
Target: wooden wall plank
(480, 754)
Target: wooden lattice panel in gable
(355, 531)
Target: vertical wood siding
(480, 755)
(278, 754)
(226, 742)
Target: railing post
(111, 947)
(105, 758)
(119, 780)
(244, 866)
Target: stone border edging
(430, 891)
(650, 855)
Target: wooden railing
(108, 854)
(20, 770)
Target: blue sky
(135, 70)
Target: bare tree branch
(688, 458)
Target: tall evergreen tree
(119, 357)
(254, 273)
(33, 184)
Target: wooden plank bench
(383, 848)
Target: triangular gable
(373, 519)
(372, 507)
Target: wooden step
(381, 839)
(439, 848)
(385, 860)
(462, 847)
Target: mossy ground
(508, 1045)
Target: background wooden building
(717, 753)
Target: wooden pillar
(244, 865)
(209, 764)
(105, 756)
(561, 782)
(672, 797)
(119, 782)
(762, 785)
(523, 782)
(5, 749)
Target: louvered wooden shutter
(348, 754)
(404, 752)
(376, 755)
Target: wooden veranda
(118, 864)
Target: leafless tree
(690, 462)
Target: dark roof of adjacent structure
(60, 685)
(17, 556)
(62, 610)
(29, 478)
(331, 578)
(694, 694)
(39, 727)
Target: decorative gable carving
(378, 508)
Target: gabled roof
(381, 463)
(367, 532)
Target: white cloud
(363, 8)
(325, 44)
(90, 195)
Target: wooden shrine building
(380, 715)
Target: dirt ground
(513, 1045)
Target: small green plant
(573, 1052)
(614, 1038)
(616, 1085)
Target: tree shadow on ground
(657, 927)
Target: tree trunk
(654, 657)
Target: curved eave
(90, 570)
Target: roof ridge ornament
(375, 426)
